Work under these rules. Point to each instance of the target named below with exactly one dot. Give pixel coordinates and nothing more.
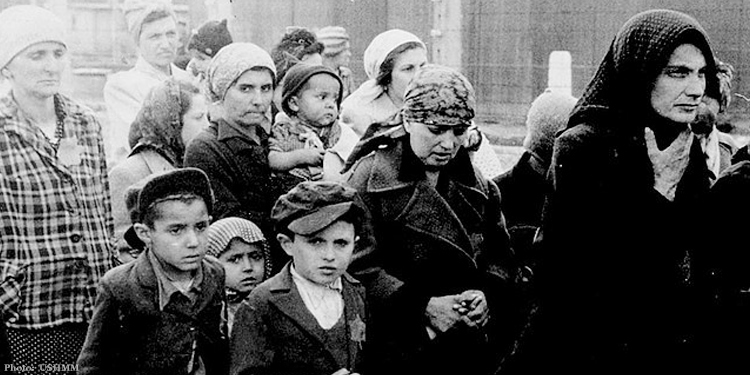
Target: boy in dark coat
(162, 313)
(310, 317)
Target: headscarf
(231, 62)
(436, 95)
(158, 125)
(136, 11)
(24, 25)
(333, 38)
(375, 54)
(621, 87)
(223, 231)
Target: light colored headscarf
(231, 62)
(136, 12)
(24, 25)
(223, 231)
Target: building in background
(503, 46)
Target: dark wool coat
(241, 179)
(128, 334)
(617, 272)
(616, 276)
(430, 243)
(274, 333)
(523, 190)
(728, 333)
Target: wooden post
(446, 33)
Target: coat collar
(286, 297)
(456, 200)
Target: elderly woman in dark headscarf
(622, 224)
(172, 114)
(442, 260)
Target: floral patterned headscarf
(158, 125)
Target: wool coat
(275, 333)
(426, 242)
(129, 334)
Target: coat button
(76, 238)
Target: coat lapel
(286, 297)
(354, 310)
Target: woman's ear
(143, 232)
(6, 73)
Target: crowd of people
(260, 213)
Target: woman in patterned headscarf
(390, 61)
(622, 225)
(442, 247)
(172, 114)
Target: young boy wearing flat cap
(162, 313)
(310, 317)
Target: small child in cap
(208, 39)
(163, 312)
(310, 317)
(244, 252)
(310, 144)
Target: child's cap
(223, 231)
(313, 205)
(296, 78)
(157, 187)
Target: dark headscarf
(621, 87)
(158, 125)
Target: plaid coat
(55, 218)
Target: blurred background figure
(172, 114)
(183, 36)
(524, 186)
(210, 37)
(336, 55)
(153, 25)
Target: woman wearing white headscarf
(391, 60)
(55, 212)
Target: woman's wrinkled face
(435, 145)
(680, 86)
(248, 99)
(37, 70)
(195, 119)
(404, 68)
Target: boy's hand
(473, 308)
(441, 313)
(311, 156)
(342, 371)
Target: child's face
(323, 256)
(179, 237)
(316, 103)
(244, 265)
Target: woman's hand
(441, 313)
(473, 308)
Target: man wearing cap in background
(336, 55)
(55, 211)
(310, 318)
(153, 26)
(163, 312)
